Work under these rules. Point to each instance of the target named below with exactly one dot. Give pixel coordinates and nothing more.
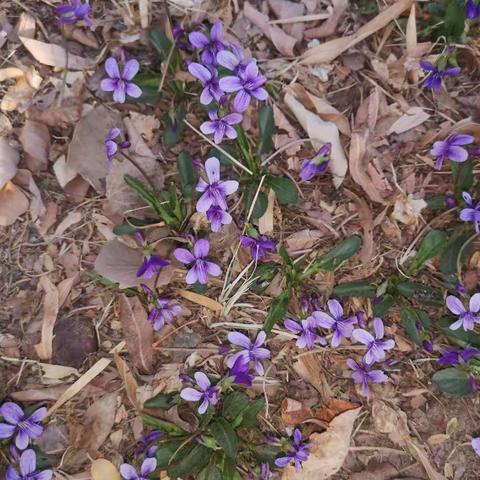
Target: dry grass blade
(201, 300)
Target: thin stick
(285, 147)
(301, 18)
(220, 149)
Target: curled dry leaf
(71, 219)
(35, 139)
(19, 95)
(86, 152)
(283, 43)
(55, 55)
(328, 51)
(407, 209)
(329, 450)
(201, 300)
(128, 379)
(138, 332)
(13, 204)
(294, 412)
(412, 118)
(9, 161)
(102, 469)
(320, 132)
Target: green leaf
(108, 283)
(163, 401)
(165, 451)
(421, 293)
(462, 176)
(149, 84)
(359, 288)
(266, 453)
(245, 148)
(229, 469)
(163, 45)
(225, 436)
(250, 413)
(433, 245)
(188, 177)
(453, 381)
(278, 309)
(190, 459)
(334, 258)
(454, 21)
(410, 318)
(285, 190)
(163, 426)
(460, 335)
(448, 260)
(211, 472)
(386, 303)
(436, 202)
(260, 205)
(234, 404)
(265, 273)
(174, 126)
(267, 127)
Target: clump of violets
(208, 77)
(363, 375)
(250, 351)
(472, 212)
(73, 12)
(207, 394)
(308, 335)
(121, 84)
(318, 164)
(297, 453)
(472, 10)
(197, 260)
(28, 468)
(376, 345)
(341, 326)
(436, 75)
(259, 246)
(163, 313)
(19, 425)
(151, 264)
(112, 144)
(209, 44)
(456, 356)
(451, 149)
(467, 318)
(221, 126)
(128, 472)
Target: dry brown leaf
(39, 394)
(64, 115)
(71, 219)
(97, 423)
(408, 209)
(146, 125)
(128, 379)
(55, 55)
(412, 43)
(102, 469)
(120, 264)
(86, 152)
(138, 332)
(265, 222)
(201, 300)
(330, 26)
(294, 412)
(307, 366)
(285, 9)
(83, 36)
(329, 450)
(64, 173)
(13, 204)
(9, 161)
(26, 25)
(24, 179)
(48, 219)
(19, 95)
(35, 139)
(283, 43)
(328, 51)
(303, 239)
(51, 305)
(412, 118)
(320, 132)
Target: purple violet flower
(209, 46)
(318, 164)
(472, 212)
(121, 84)
(472, 10)
(23, 427)
(200, 268)
(435, 76)
(342, 327)
(208, 394)
(129, 473)
(146, 441)
(252, 351)
(467, 318)
(258, 246)
(298, 453)
(451, 149)
(362, 375)
(232, 61)
(215, 192)
(375, 345)
(248, 84)
(455, 356)
(73, 12)
(111, 146)
(308, 335)
(28, 466)
(221, 126)
(218, 217)
(151, 265)
(209, 80)
(240, 372)
(476, 445)
(163, 313)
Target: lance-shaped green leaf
(385, 304)
(433, 245)
(267, 127)
(225, 436)
(163, 401)
(261, 203)
(358, 288)
(421, 293)
(163, 426)
(411, 317)
(174, 126)
(285, 189)
(190, 460)
(188, 177)
(462, 176)
(211, 472)
(234, 404)
(278, 310)
(448, 259)
(461, 336)
(164, 452)
(164, 45)
(453, 381)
